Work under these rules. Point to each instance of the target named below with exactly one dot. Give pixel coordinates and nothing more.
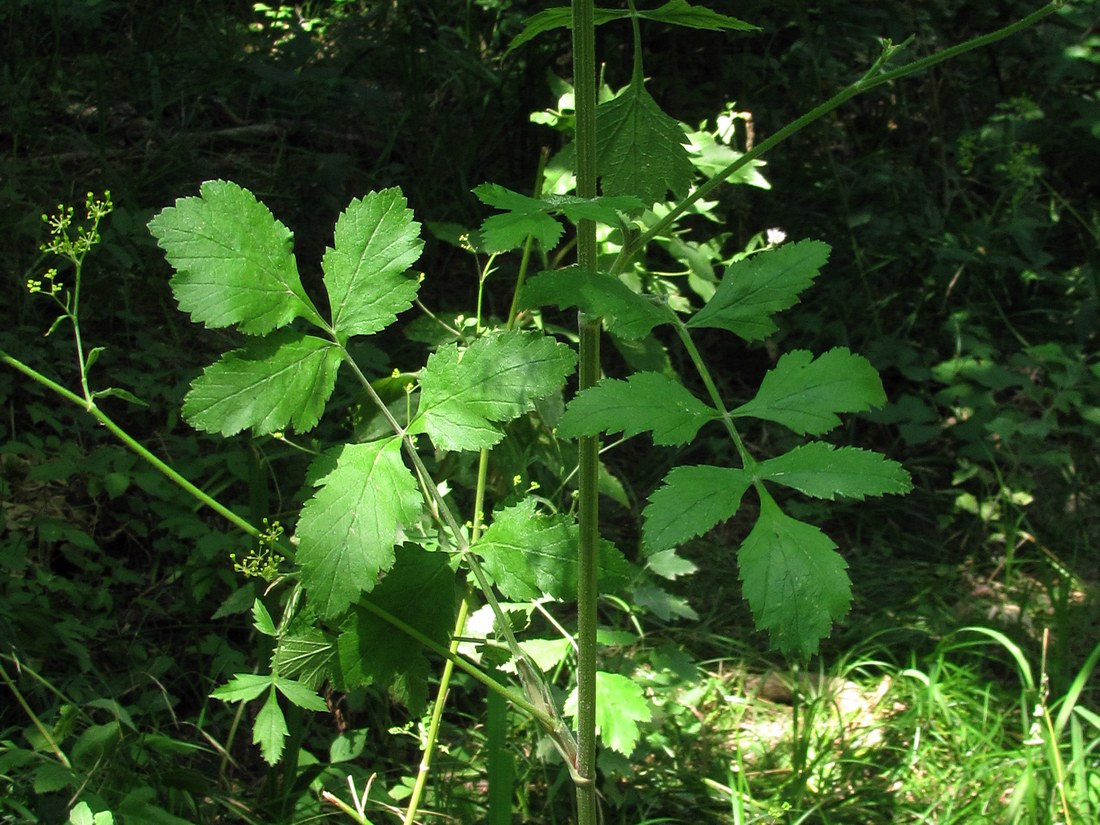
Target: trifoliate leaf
(755, 288)
(824, 471)
(285, 378)
(645, 402)
(420, 591)
(347, 530)
(298, 694)
(621, 704)
(376, 240)
(639, 149)
(269, 730)
(530, 554)
(682, 13)
(233, 261)
(465, 394)
(690, 501)
(794, 580)
(243, 687)
(305, 655)
(626, 313)
(805, 395)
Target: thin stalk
(584, 85)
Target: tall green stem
(584, 85)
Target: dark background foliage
(961, 206)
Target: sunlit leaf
(375, 241)
(347, 530)
(690, 501)
(824, 471)
(269, 730)
(234, 262)
(621, 704)
(243, 687)
(305, 655)
(301, 695)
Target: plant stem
(584, 86)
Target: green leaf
(690, 501)
(305, 655)
(824, 471)
(602, 209)
(285, 378)
(261, 619)
(375, 242)
(347, 530)
(465, 394)
(626, 313)
(668, 565)
(755, 288)
(233, 261)
(645, 402)
(509, 230)
(682, 13)
(639, 149)
(557, 18)
(621, 704)
(420, 591)
(243, 687)
(269, 730)
(530, 554)
(794, 580)
(805, 395)
(298, 694)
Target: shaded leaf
(261, 619)
(806, 394)
(509, 230)
(639, 149)
(794, 580)
(682, 13)
(824, 471)
(347, 530)
(375, 241)
(557, 18)
(645, 402)
(305, 655)
(626, 313)
(690, 501)
(233, 260)
(755, 288)
(271, 382)
(466, 393)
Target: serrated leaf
(466, 394)
(690, 501)
(757, 287)
(347, 530)
(234, 262)
(626, 313)
(557, 18)
(269, 730)
(682, 13)
(271, 382)
(305, 655)
(420, 591)
(375, 241)
(621, 704)
(243, 687)
(824, 471)
(530, 554)
(644, 402)
(668, 565)
(794, 580)
(805, 395)
(639, 149)
(602, 209)
(261, 619)
(509, 230)
(298, 694)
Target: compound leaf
(375, 241)
(420, 591)
(644, 402)
(347, 530)
(806, 394)
(621, 704)
(234, 262)
(690, 501)
(531, 554)
(755, 288)
(465, 394)
(285, 378)
(794, 580)
(639, 149)
(824, 471)
(626, 313)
